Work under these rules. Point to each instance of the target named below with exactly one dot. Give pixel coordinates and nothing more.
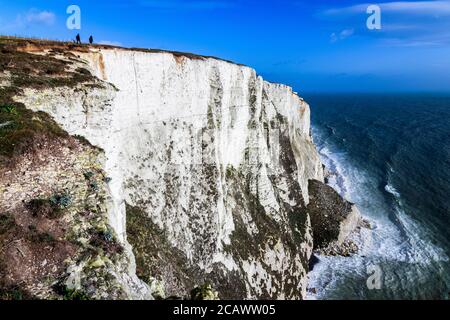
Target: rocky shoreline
(335, 221)
(347, 248)
(333, 218)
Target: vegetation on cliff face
(51, 221)
(204, 292)
(271, 234)
(157, 259)
(37, 70)
(22, 130)
(55, 242)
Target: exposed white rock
(349, 224)
(179, 135)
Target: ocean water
(390, 155)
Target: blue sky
(315, 46)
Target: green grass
(8, 108)
(75, 295)
(26, 129)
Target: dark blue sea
(390, 155)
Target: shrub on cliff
(51, 208)
(204, 292)
(8, 108)
(61, 200)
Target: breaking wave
(413, 262)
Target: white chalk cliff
(217, 158)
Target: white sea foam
(396, 239)
(392, 190)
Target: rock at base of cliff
(333, 218)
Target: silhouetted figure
(91, 40)
(78, 39)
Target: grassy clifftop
(37, 45)
(21, 129)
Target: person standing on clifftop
(78, 39)
(91, 40)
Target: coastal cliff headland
(146, 174)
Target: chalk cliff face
(215, 160)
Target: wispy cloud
(409, 43)
(187, 4)
(344, 34)
(39, 17)
(399, 27)
(32, 17)
(437, 8)
(428, 40)
(404, 23)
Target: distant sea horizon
(390, 155)
(312, 94)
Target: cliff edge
(169, 172)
